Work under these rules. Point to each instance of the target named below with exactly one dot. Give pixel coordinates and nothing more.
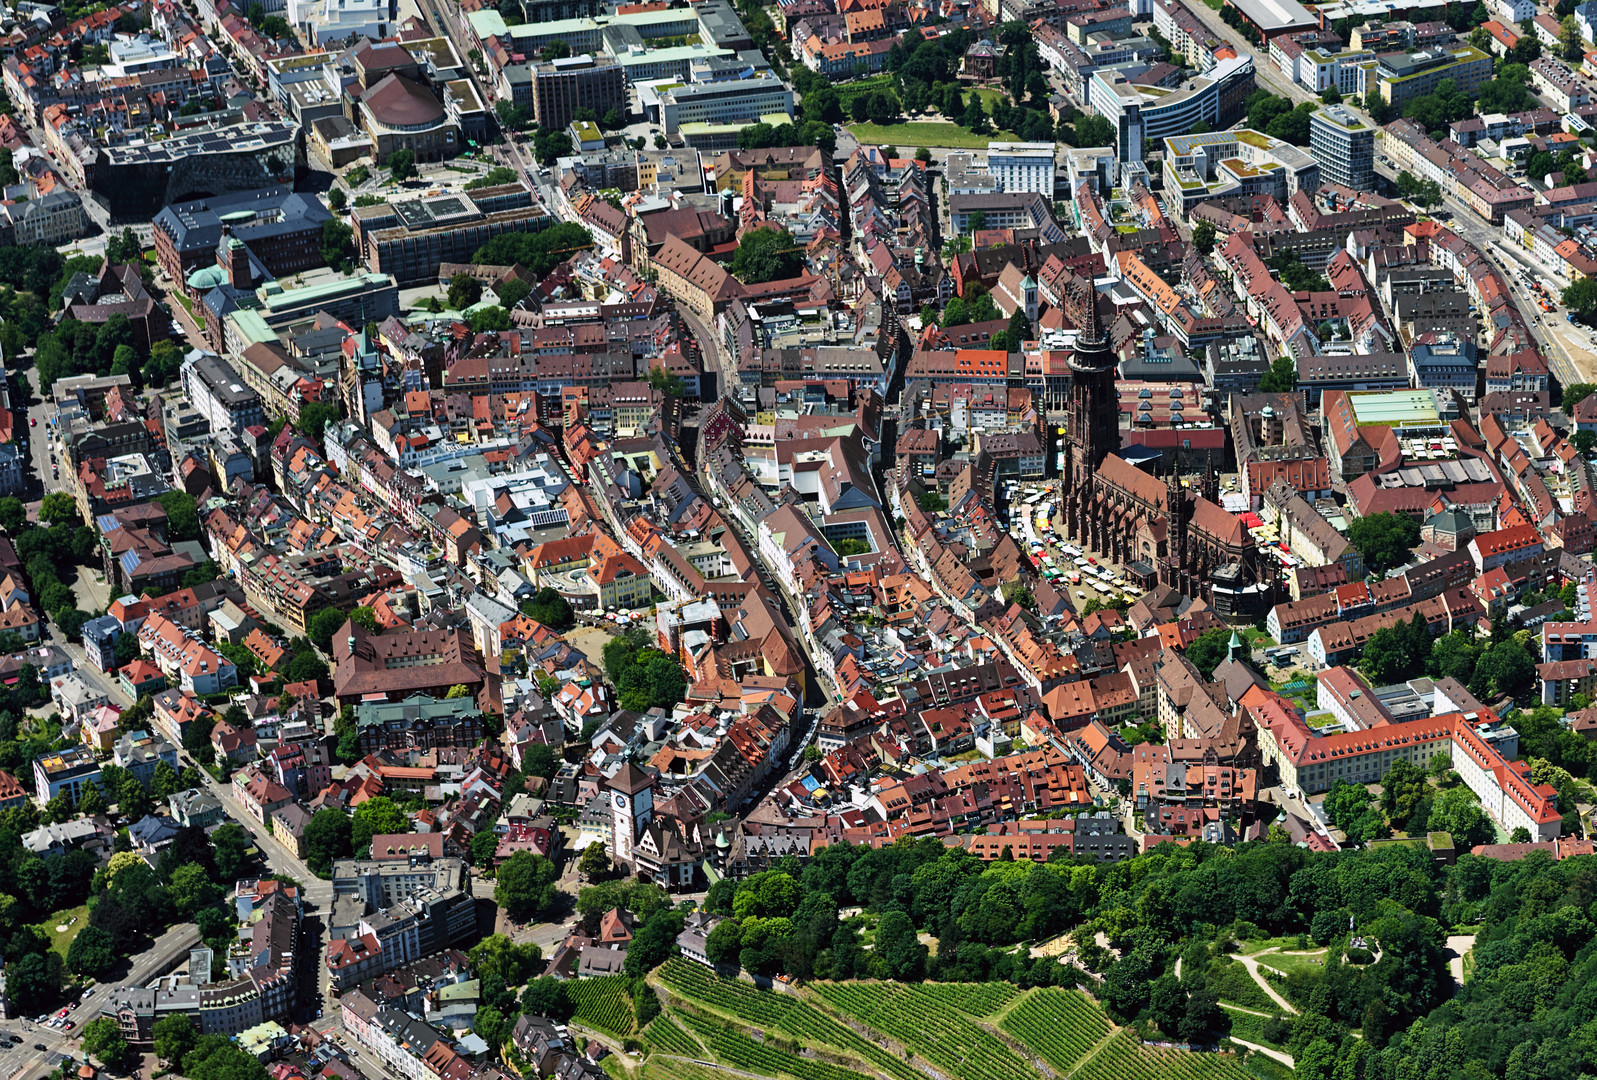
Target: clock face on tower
(621, 800)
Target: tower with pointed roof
(631, 809)
(1092, 427)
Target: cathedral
(1170, 531)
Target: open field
(74, 919)
(926, 133)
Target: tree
(91, 802)
(1351, 808)
(173, 1036)
(217, 1057)
(1504, 668)
(550, 608)
(595, 861)
(102, 1038)
(92, 952)
(328, 837)
(13, 515)
(338, 246)
(1403, 788)
(337, 199)
(191, 889)
(723, 943)
(33, 981)
(1281, 378)
(766, 254)
(525, 885)
(489, 320)
(1209, 650)
(1295, 274)
(401, 165)
(374, 817)
(1456, 812)
(1581, 300)
(1384, 540)
(1453, 656)
(1575, 393)
(314, 416)
(57, 507)
(323, 625)
(483, 847)
(511, 293)
(1331, 96)
(548, 996)
(1203, 236)
(464, 291)
(182, 515)
(901, 952)
(164, 782)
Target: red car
(33, 421)
(69, 1025)
(63, 1012)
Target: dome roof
(207, 277)
(401, 103)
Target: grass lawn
(184, 300)
(926, 133)
(1290, 964)
(60, 940)
(989, 95)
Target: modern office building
(1141, 116)
(64, 770)
(134, 180)
(1022, 167)
(1344, 145)
(737, 102)
(561, 87)
(409, 240)
(1401, 77)
(1216, 164)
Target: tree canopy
(1384, 540)
(767, 254)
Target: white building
(218, 393)
(1022, 167)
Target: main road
(1567, 366)
(164, 954)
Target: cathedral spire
(1091, 329)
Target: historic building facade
(1171, 530)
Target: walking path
(1283, 1058)
(1457, 946)
(1252, 964)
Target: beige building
(56, 218)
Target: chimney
(238, 265)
